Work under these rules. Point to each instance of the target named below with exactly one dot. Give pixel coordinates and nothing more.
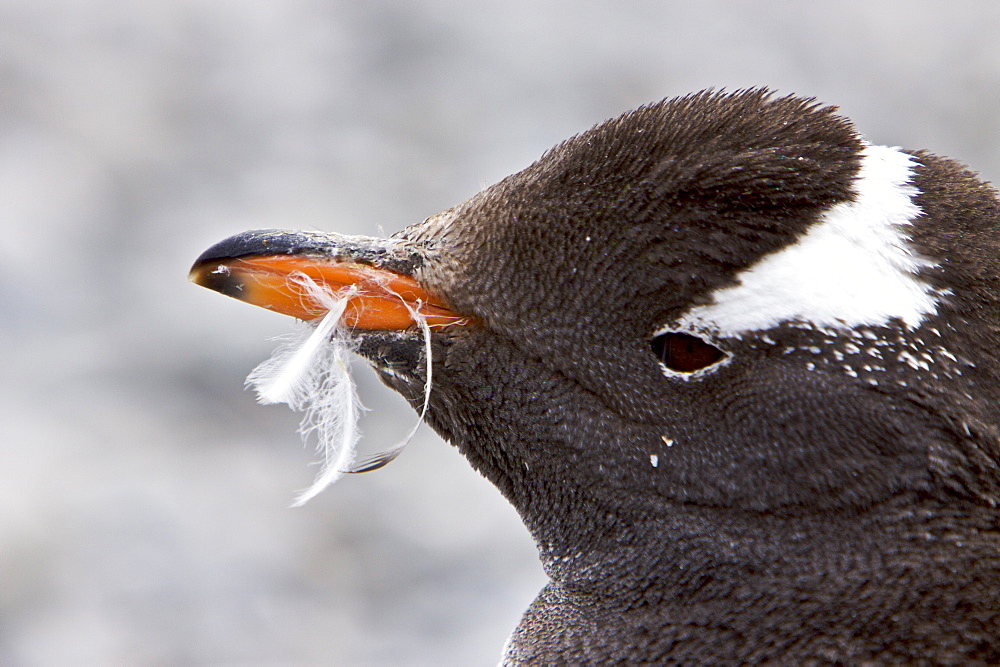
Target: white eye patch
(854, 267)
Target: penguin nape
(735, 367)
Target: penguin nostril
(685, 353)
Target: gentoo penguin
(734, 366)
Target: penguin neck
(848, 589)
(722, 550)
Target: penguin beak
(268, 268)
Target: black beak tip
(256, 242)
(218, 279)
(361, 249)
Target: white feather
(286, 377)
(388, 455)
(310, 372)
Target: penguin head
(726, 301)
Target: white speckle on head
(667, 441)
(855, 266)
(654, 460)
(913, 362)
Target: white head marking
(854, 267)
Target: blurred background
(144, 494)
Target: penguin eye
(684, 353)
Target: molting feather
(310, 372)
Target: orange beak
(267, 269)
